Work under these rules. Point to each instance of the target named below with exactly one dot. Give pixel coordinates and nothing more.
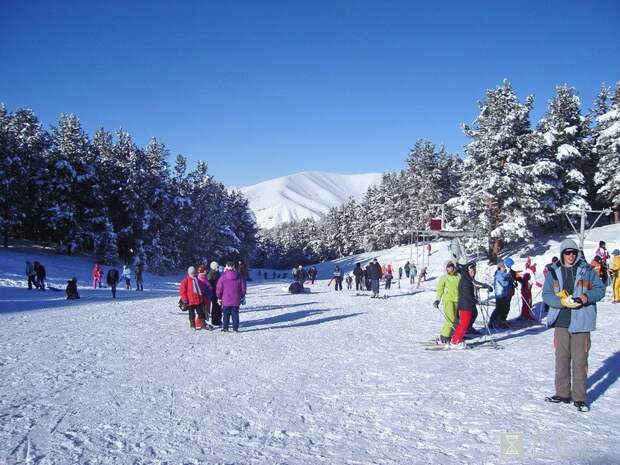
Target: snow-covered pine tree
(12, 171)
(607, 147)
(500, 196)
(566, 149)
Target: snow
(308, 194)
(549, 138)
(567, 151)
(324, 377)
(612, 131)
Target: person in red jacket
(527, 312)
(97, 275)
(193, 295)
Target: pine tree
(565, 132)
(607, 148)
(500, 196)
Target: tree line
(512, 182)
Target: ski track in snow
(325, 377)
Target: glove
(566, 300)
(436, 304)
(242, 300)
(183, 305)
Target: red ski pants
(461, 329)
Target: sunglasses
(570, 252)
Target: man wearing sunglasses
(571, 291)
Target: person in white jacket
(126, 275)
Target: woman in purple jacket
(230, 291)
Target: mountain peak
(307, 194)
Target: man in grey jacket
(571, 290)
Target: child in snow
(126, 274)
(526, 297)
(388, 276)
(71, 290)
(97, 275)
(204, 280)
(423, 276)
(349, 282)
(614, 270)
(112, 279)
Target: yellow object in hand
(567, 300)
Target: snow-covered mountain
(308, 194)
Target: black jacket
(112, 277)
(40, 271)
(374, 271)
(358, 272)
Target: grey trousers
(571, 357)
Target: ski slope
(308, 194)
(324, 377)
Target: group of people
(35, 271)
(208, 294)
(113, 277)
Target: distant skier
(192, 295)
(466, 305)
(571, 290)
(413, 272)
(213, 276)
(527, 312)
(407, 269)
(71, 290)
(302, 276)
(112, 279)
(41, 275)
(374, 275)
(423, 276)
(126, 275)
(97, 275)
(230, 291)
(359, 276)
(139, 276)
(502, 286)
(312, 272)
(600, 269)
(337, 278)
(349, 280)
(448, 291)
(388, 276)
(601, 251)
(31, 275)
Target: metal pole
(582, 232)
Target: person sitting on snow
(71, 289)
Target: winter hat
(509, 262)
(616, 252)
(191, 270)
(450, 263)
(601, 244)
(214, 265)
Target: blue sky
(260, 89)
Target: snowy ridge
(308, 194)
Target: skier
(448, 291)
(230, 292)
(359, 276)
(71, 289)
(526, 297)
(388, 276)
(41, 275)
(31, 275)
(337, 277)
(412, 273)
(407, 269)
(204, 280)
(374, 275)
(213, 276)
(126, 274)
(423, 276)
(602, 252)
(349, 280)
(600, 269)
(466, 305)
(502, 284)
(193, 297)
(366, 278)
(139, 275)
(614, 271)
(312, 274)
(97, 275)
(112, 279)
(302, 276)
(400, 273)
(571, 290)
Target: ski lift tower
(582, 212)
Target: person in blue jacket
(503, 287)
(571, 290)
